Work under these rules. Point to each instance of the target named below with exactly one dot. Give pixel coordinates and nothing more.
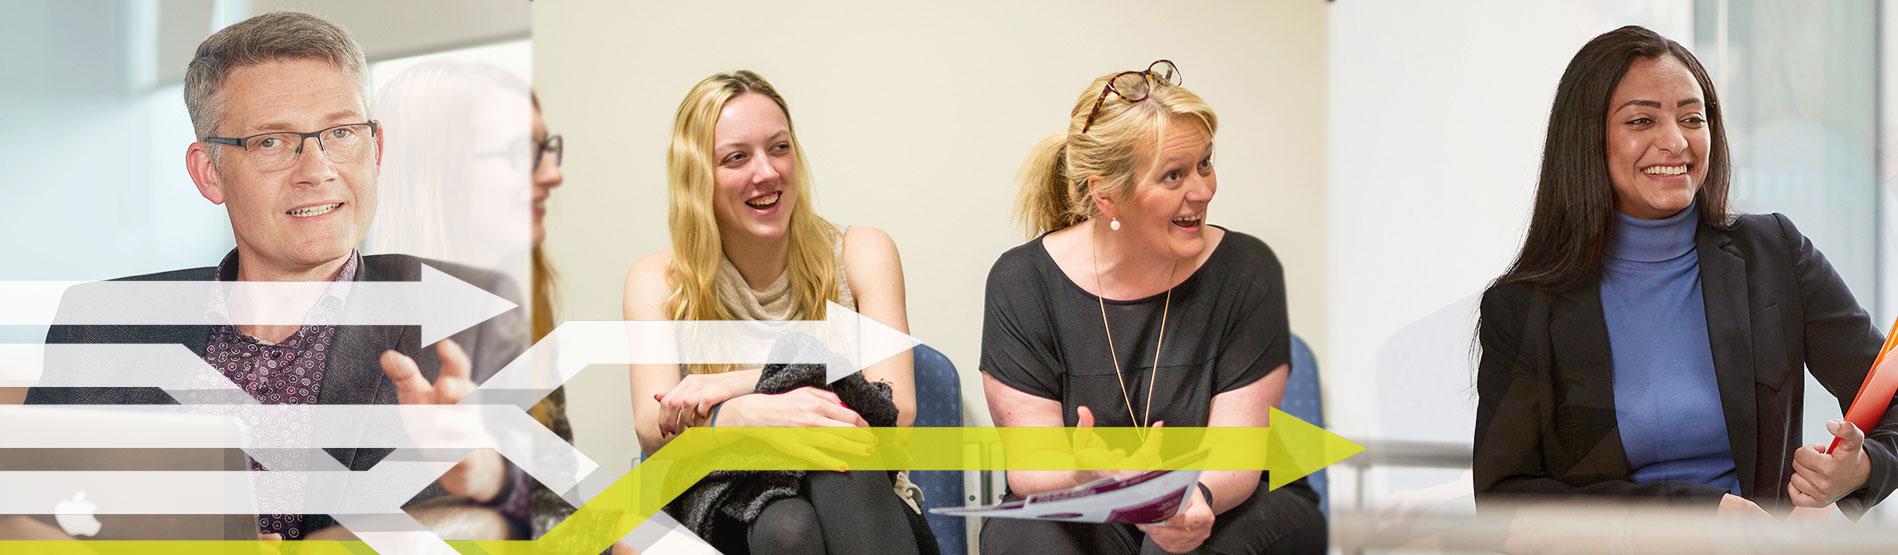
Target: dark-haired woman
(1648, 344)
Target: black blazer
(1545, 414)
(353, 373)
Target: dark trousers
(836, 513)
(1282, 521)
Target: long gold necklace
(1153, 376)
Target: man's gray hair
(266, 38)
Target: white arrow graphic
(168, 366)
(441, 304)
(844, 341)
(426, 431)
(194, 492)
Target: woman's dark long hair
(1575, 199)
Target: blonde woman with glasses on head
(747, 244)
(1127, 309)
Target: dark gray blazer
(1545, 416)
(352, 372)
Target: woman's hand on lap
(692, 400)
(804, 407)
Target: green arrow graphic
(1289, 449)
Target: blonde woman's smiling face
(1167, 211)
(754, 168)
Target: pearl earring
(1113, 225)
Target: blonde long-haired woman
(1127, 309)
(747, 244)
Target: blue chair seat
(939, 405)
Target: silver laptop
(84, 491)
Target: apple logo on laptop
(75, 516)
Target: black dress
(1226, 328)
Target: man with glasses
(287, 145)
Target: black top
(1545, 412)
(1042, 335)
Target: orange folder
(1874, 396)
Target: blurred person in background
(451, 190)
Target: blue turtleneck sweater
(1667, 399)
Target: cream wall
(915, 118)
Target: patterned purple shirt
(290, 372)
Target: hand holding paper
(1820, 478)
(1185, 531)
(1142, 498)
(1146, 498)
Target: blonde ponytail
(1045, 201)
(1053, 191)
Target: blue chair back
(1302, 400)
(939, 405)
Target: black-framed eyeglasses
(346, 143)
(554, 145)
(1134, 86)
